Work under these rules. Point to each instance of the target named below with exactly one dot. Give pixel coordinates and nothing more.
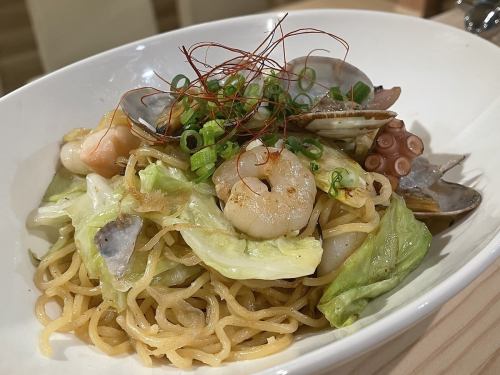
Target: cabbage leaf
(384, 259)
(158, 177)
(353, 193)
(91, 211)
(219, 246)
(62, 192)
(64, 184)
(176, 275)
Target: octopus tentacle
(393, 151)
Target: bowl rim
(275, 14)
(387, 327)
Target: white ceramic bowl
(451, 98)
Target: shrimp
(70, 158)
(254, 209)
(100, 150)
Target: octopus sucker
(393, 151)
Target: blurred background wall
(39, 36)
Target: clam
(331, 72)
(429, 196)
(342, 124)
(312, 77)
(151, 112)
(328, 72)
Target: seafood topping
(315, 76)
(100, 150)
(257, 210)
(427, 194)
(343, 125)
(384, 98)
(116, 242)
(393, 151)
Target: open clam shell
(443, 198)
(144, 107)
(342, 124)
(429, 196)
(329, 72)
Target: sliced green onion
(359, 92)
(252, 95)
(233, 84)
(303, 105)
(284, 97)
(191, 141)
(187, 116)
(174, 86)
(186, 102)
(312, 148)
(252, 90)
(272, 90)
(336, 94)
(212, 107)
(205, 172)
(230, 90)
(307, 78)
(269, 139)
(235, 80)
(336, 181)
(211, 131)
(201, 104)
(203, 157)
(213, 85)
(314, 166)
(228, 150)
(293, 144)
(236, 109)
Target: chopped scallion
(187, 115)
(269, 139)
(252, 95)
(203, 157)
(211, 131)
(272, 90)
(205, 172)
(293, 144)
(213, 85)
(235, 80)
(174, 86)
(228, 149)
(307, 78)
(360, 92)
(336, 181)
(230, 90)
(299, 101)
(233, 84)
(314, 166)
(186, 102)
(312, 148)
(336, 94)
(191, 141)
